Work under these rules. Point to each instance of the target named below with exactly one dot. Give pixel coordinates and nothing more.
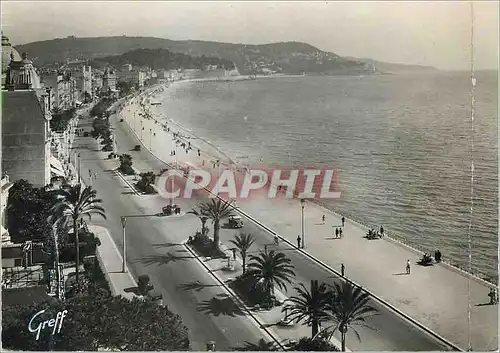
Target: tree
(27, 210)
(216, 210)
(271, 269)
(203, 219)
(144, 184)
(56, 224)
(74, 203)
(98, 322)
(310, 307)
(243, 242)
(126, 164)
(349, 307)
(307, 344)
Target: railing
(21, 277)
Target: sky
(434, 33)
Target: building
(64, 86)
(109, 80)
(87, 81)
(135, 77)
(6, 184)
(26, 114)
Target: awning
(56, 166)
(57, 172)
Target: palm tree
(74, 203)
(202, 218)
(310, 307)
(243, 242)
(56, 224)
(349, 307)
(271, 269)
(216, 210)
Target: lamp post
(303, 203)
(150, 137)
(124, 239)
(124, 266)
(79, 168)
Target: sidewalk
(435, 296)
(110, 260)
(268, 318)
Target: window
(18, 262)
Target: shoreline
(226, 161)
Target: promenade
(435, 296)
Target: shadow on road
(165, 245)
(196, 286)
(220, 305)
(160, 259)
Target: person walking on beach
(343, 221)
(340, 233)
(298, 241)
(323, 219)
(381, 231)
(408, 268)
(336, 232)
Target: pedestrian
(234, 253)
(342, 269)
(298, 241)
(336, 232)
(340, 232)
(343, 221)
(381, 231)
(438, 258)
(199, 154)
(408, 267)
(323, 219)
(276, 240)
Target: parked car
(137, 148)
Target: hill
(285, 57)
(161, 59)
(385, 67)
(289, 57)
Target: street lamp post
(124, 266)
(150, 137)
(303, 203)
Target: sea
(402, 146)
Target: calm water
(401, 145)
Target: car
(235, 222)
(137, 148)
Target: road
(391, 331)
(153, 249)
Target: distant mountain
(161, 59)
(288, 57)
(384, 67)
